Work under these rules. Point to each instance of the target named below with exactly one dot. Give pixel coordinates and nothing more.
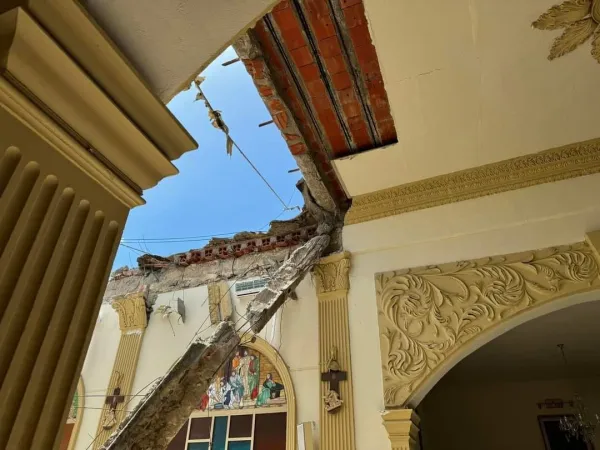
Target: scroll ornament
(426, 314)
(579, 20)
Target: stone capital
(331, 274)
(402, 426)
(132, 312)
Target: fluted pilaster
(132, 321)
(72, 165)
(331, 275)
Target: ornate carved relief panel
(426, 314)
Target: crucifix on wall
(113, 401)
(334, 375)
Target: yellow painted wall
(495, 416)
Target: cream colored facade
(292, 336)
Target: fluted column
(402, 426)
(331, 275)
(74, 159)
(132, 321)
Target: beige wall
(495, 416)
(293, 331)
(171, 42)
(531, 218)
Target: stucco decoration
(569, 161)
(403, 430)
(579, 19)
(133, 320)
(331, 275)
(219, 301)
(427, 314)
(132, 311)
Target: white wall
(498, 415)
(526, 219)
(96, 372)
(293, 331)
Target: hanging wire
(228, 356)
(218, 122)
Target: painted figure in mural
(244, 372)
(235, 362)
(270, 390)
(254, 376)
(215, 393)
(237, 388)
(227, 394)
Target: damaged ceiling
(316, 68)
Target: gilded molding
(132, 311)
(570, 161)
(402, 426)
(331, 273)
(426, 314)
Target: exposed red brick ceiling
(328, 67)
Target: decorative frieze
(570, 161)
(427, 314)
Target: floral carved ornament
(579, 20)
(427, 314)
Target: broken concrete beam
(284, 282)
(161, 414)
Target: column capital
(131, 309)
(331, 274)
(402, 426)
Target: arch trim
(81, 407)
(432, 317)
(267, 350)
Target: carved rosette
(428, 313)
(331, 274)
(132, 311)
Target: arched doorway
(512, 392)
(250, 405)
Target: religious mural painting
(248, 380)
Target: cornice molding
(331, 274)
(570, 161)
(23, 109)
(428, 315)
(37, 66)
(77, 32)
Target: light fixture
(582, 424)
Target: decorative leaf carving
(426, 314)
(564, 14)
(573, 36)
(596, 46)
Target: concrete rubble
(161, 414)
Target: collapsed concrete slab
(160, 415)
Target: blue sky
(213, 193)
